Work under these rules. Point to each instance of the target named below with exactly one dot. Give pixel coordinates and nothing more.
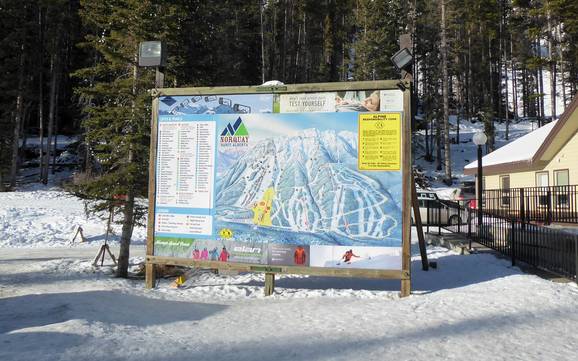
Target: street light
(402, 59)
(479, 139)
(153, 53)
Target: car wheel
(455, 220)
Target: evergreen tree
(378, 27)
(117, 106)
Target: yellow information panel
(379, 141)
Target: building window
(561, 180)
(542, 180)
(561, 177)
(505, 187)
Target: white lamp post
(480, 139)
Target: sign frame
(404, 275)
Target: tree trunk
(525, 110)
(562, 75)
(552, 70)
(127, 228)
(507, 107)
(438, 139)
(297, 53)
(41, 94)
(55, 146)
(514, 84)
(18, 120)
(284, 50)
(262, 44)
(128, 208)
(51, 112)
(469, 78)
(446, 105)
(541, 80)
(490, 121)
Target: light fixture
(152, 53)
(479, 138)
(402, 59)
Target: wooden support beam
(269, 284)
(298, 270)
(150, 275)
(418, 226)
(405, 287)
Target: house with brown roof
(546, 157)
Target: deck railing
(554, 204)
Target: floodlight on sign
(402, 59)
(479, 138)
(152, 53)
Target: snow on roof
(521, 149)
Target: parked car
(439, 212)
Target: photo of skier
(196, 254)
(347, 256)
(205, 254)
(300, 256)
(224, 256)
(214, 254)
(354, 257)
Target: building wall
(566, 158)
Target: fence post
(549, 212)
(513, 241)
(576, 258)
(470, 226)
(439, 218)
(427, 202)
(522, 208)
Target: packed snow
(471, 307)
(49, 217)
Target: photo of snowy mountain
(299, 184)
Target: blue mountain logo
(235, 135)
(238, 129)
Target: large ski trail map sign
(306, 179)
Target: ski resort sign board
(309, 179)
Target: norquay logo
(235, 135)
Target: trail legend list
(185, 164)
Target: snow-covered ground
(62, 141)
(54, 305)
(39, 216)
(473, 307)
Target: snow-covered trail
(471, 307)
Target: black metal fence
(556, 204)
(547, 248)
